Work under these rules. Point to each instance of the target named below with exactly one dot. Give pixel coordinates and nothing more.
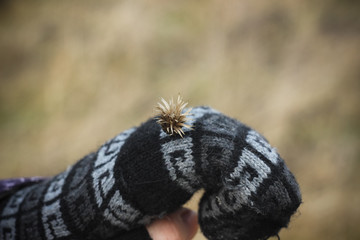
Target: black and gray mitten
(144, 173)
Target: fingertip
(189, 219)
(180, 225)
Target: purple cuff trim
(8, 184)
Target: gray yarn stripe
(200, 112)
(103, 174)
(13, 205)
(218, 203)
(7, 225)
(196, 114)
(112, 147)
(183, 164)
(120, 213)
(53, 222)
(262, 146)
(240, 192)
(7, 228)
(249, 158)
(55, 187)
(218, 124)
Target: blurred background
(75, 73)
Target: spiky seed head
(171, 116)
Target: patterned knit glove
(144, 173)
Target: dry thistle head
(172, 118)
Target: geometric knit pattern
(143, 174)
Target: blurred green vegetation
(74, 74)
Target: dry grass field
(75, 73)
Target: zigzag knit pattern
(143, 174)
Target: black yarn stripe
(290, 189)
(5, 195)
(6, 198)
(131, 156)
(227, 219)
(39, 213)
(136, 234)
(245, 216)
(120, 182)
(91, 227)
(112, 191)
(66, 213)
(239, 144)
(3, 203)
(276, 173)
(196, 151)
(22, 211)
(110, 194)
(18, 217)
(196, 136)
(18, 214)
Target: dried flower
(171, 117)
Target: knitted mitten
(144, 173)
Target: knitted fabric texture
(143, 174)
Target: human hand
(180, 225)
